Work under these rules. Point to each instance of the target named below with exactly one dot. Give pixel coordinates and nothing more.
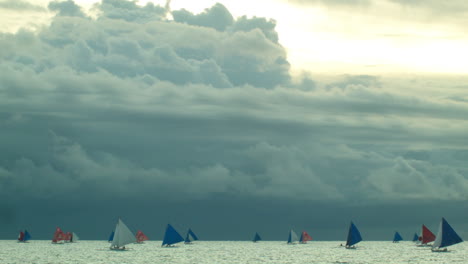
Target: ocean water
(97, 252)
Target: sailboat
(111, 237)
(190, 237)
(59, 236)
(122, 236)
(415, 238)
(354, 237)
(140, 237)
(24, 236)
(67, 237)
(74, 237)
(397, 237)
(426, 237)
(292, 238)
(446, 236)
(171, 237)
(304, 237)
(256, 237)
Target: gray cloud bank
(134, 108)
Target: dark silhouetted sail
(190, 236)
(397, 237)
(354, 236)
(171, 236)
(111, 237)
(415, 237)
(257, 237)
(446, 236)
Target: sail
(305, 237)
(171, 236)
(67, 236)
(415, 237)
(397, 237)
(21, 236)
(27, 236)
(111, 236)
(140, 237)
(74, 237)
(257, 237)
(292, 238)
(190, 236)
(58, 235)
(354, 236)
(446, 236)
(122, 235)
(427, 236)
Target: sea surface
(94, 252)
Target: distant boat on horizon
(122, 236)
(397, 237)
(171, 237)
(74, 237)
(140, 237)
(59, 236)
(304, 237)
(256, 237)
(292, 237)
(190, 237)
(415, 238)
(24, 236)
(446, 236)
(426, 237)
(111, 237)
(354, 237)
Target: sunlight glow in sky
(321, 40)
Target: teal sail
(446, 236)
(354, 236)
(415, 237)
(257, 237)
(190, 236)
(171, 236)
(397, 237)
(292, 238)
(27, 236)
(111, 237)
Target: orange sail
(141, 237)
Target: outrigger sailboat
(59, 236)
(397, 237)
(256, 237)
(292, 238)
(415, 238)
(140, 237)
(354, 237)
(122, 236)
(426, 237)
(190, 237)
(171, 237)
(446, 236)
(304, 237)
(24, 236)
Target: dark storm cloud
(132, 109)
(18, 5)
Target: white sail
(292, 237)
(75, 237)
(122, 235)
(438, 239)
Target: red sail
(427, 235)
(58, 235)
(305, 237)
(141, 237)
(21, 236)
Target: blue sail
(446, 236)
(190, 236)
(111, 237)
(171, 236)
(415, 237)
(27, 236)
(257, 237)
(354, 236)
(397, 237)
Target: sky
(233, 117)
